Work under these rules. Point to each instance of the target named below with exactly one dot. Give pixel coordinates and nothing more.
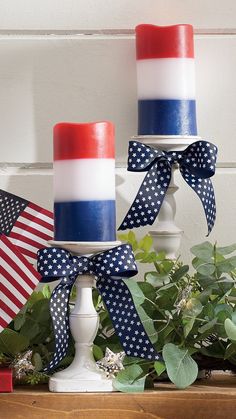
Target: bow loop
(199, 159)
(115, 263)
(142, 157)
(196, 164)
(54, 264)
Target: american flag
(18, 279)
(27, 225)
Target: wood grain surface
(213, 398)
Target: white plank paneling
(36, 185)
(44, 80)
(107, 14)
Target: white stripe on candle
(166, 78)
(84, 180)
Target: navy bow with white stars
(196, 164)
(109, 268)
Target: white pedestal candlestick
(166, 235)
(83, 375)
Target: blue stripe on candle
(167, 117)
(85, 221)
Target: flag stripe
(35, 223)
(36, 217)
(4, 319)
(17, 261)
(17, 281)
(27, 241)
(15, 272)
(17, 255)
(14, 286)
(28, 226)
(19, 226)
(7, 309)
(30, 255)
(44, 211)
(4, 290)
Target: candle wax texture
(165, 80)
(84, 182)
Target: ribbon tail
(125, 319)
(205, 191)
(59, 308)
(149, 198)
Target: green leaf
(132, 240)
(19, 320)
(192, 308)
(147, 324)
(159, 367)
(40, 311)
(30, 329)
(146, 243)
(227, 249)
(128, 379)
(203, 251)
(140, 255)
(230, 351)
(148, 290)
(233, 317)
(219, 327)
(203, 268)
(180, 273)
(227, 265)
(181, 368)
(35, 296)
(12, 342)
(230, 329)
(46, 291)
(167, 266)
(137, 294)
(37, 361)
(223, 308)
(188, 327)
(208, 311)
(208, 326)
(149, 258)
(122, 237)
(156, 280)
(204, 296)
(97, 352)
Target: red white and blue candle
(165, 80)
(84, 182)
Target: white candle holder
(83, 375)
(166, 235)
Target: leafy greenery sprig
(189, 317)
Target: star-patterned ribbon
(109, 268)
(196, 164)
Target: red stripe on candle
(164, 41)
(84, 141)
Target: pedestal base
(83, 375)
(92, 382)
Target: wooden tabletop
(211, 398)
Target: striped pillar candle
(166, 80)
(84, 182)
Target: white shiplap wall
(74, 60)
